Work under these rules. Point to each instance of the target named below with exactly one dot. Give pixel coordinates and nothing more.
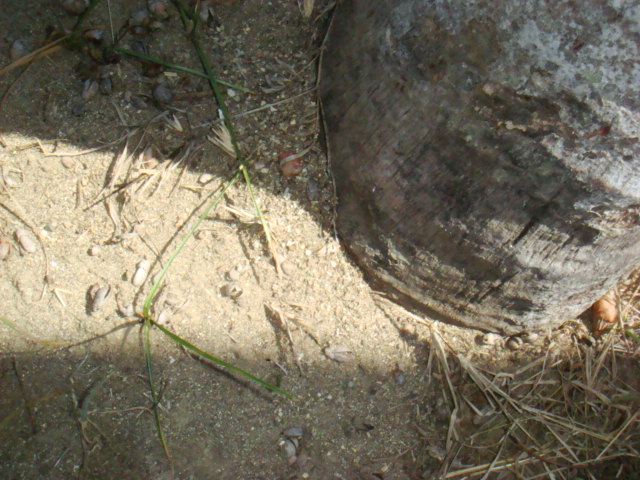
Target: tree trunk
(486, 153)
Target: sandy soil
(382, 412)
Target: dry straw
(572, 414)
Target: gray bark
(486, 152)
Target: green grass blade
(156, 285)
(213, 82)
(177, 68)
(218, 361)
(152, 387)
(635, 337)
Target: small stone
(18, 50)
(68, 162)
(288, 268)
(25, 241)
(205, 178)
(159, 9)
(233, 275)
(231, 290)
(530, 337)
(95, 250)
(162, 94)
(290, 451)
(126, 310)
(94, 34)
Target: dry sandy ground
(101, 180)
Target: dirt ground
(101, 174)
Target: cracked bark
(481, 173)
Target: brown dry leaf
(290, 163)
(307, 8)
(604, 313)
(605, 309)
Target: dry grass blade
(307, 8)
(569, 410)
(222, 139)
(442, 357)
(40, 52)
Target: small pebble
(18, 50)
(94, 34)
(290, 451)
(530, 337)
(162, 94)
(231, 290)
(68, 162)
(288, 268)
(233, 275)
(25, 241)
(126, 310)
(159, 9)
(205, 178)
(94, 250)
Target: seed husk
(339, 353)
(99, 295)
(140, 275)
